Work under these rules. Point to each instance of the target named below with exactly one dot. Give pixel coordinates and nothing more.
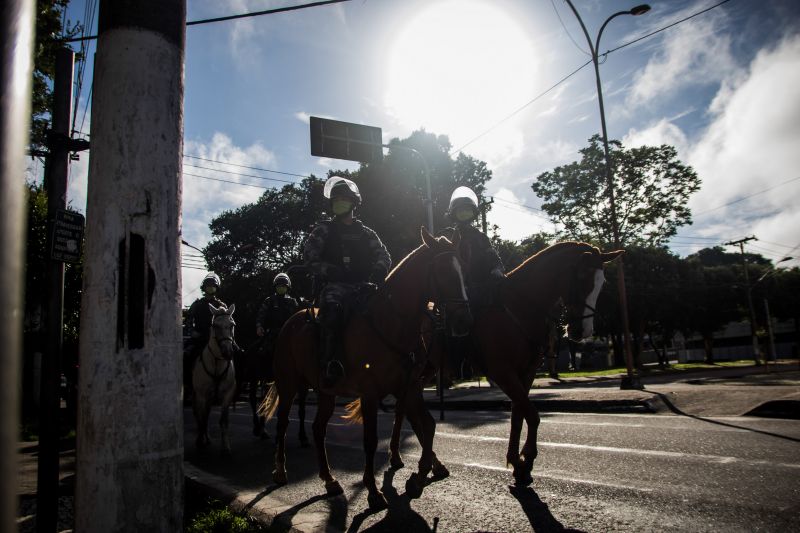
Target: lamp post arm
(603, 27)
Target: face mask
(210, 290)
(464, 215)
(341, 206)
(281, 289)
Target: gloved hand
(260, 331)
(497, 274)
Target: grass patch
(217, 518)
(653, 370)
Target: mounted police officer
(275, 310)
(198, 320)
(484, 267)
(346, 255)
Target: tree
(50, 35)
(651, 186)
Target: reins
(216, 378)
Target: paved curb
(262, 507)
(550, 406)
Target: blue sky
(722, 87)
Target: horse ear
(610, 256)
(231, 309)
(427, 238)
(213, 309)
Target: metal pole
(632, 380)
(749, 292)
(16, 38)
(55, 182)
(772, 354)
(429, 198)
(130, 412)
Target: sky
(722, 87)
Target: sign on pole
(345, 140)
(67, 237)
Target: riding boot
(334, 370)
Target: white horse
(213, 377)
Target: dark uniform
(345, 255)
(483, 264)
(198, 320)
(275, 310)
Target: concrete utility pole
(55, 183)
(16, 63)
(130, 413)
(749, 290)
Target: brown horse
(509, 338)
(378, 358)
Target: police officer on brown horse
(484, 267)
(346, 255)
(275, 310)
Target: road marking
(562, 478)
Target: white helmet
(462, 197)
(282, 279)
(337, 185)
(210, 279)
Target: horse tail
(270, 404)
(354, 414)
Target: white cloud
(204, 199)
(688, 50)
(516, 221)
(661, 132)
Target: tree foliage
(651, 188)
(51, 30)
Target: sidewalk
(735, 391)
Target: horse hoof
(279, 477)
(439, 471)
(333, 488)
(414, 486)
(377, 501)
(396, 463)
(522, 477)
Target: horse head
(448, 291)
(222, 326)
(585, 282)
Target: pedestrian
(345, 255)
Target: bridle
(219, 355)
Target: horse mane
(553, 249)
(414, 253)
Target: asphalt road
(620, 472)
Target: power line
(565, 78)
(552, 2)
(233, 17)
(664, 28)
(241, 174)
(226, 181)
(559, 82)
(245, 166)
(748, 196)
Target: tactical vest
(474, 245)
(348, 248)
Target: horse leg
(301, 414)
(395, 459)
(519, 411)
(201, 410)
(325, 406)
(285, 399)
(529, 449)
(369, 411)
(424, 427)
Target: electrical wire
(240, 16)
(245, 166)
(552, 2)
(748, 196)
(240, 174)
(226, 181)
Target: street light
(631, 381)
(770, 335)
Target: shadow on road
(538, 513)
(399, 514)
(664, 398)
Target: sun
(459, 67)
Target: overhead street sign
(345, 140)
(67, 237)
